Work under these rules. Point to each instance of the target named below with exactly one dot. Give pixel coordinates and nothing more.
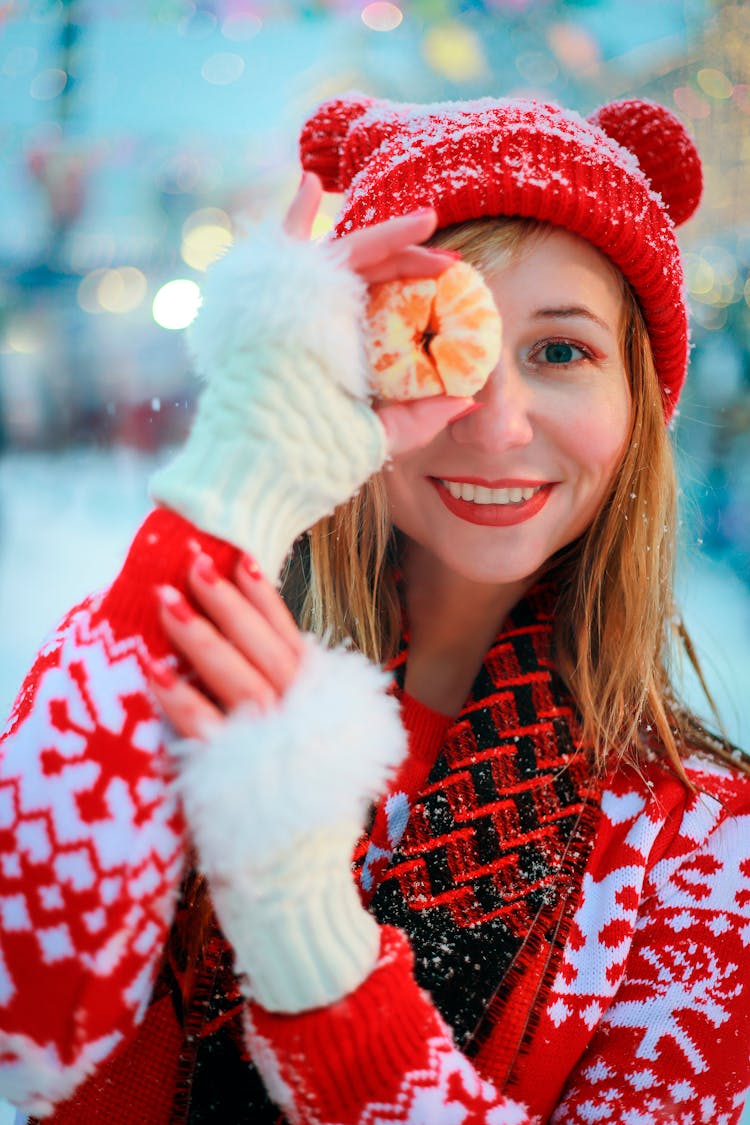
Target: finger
(414, 261)
(189, 711)
(244, 624)
(267, 600)
(227, 674)
(410, 425)
(299, 219)
(366, 247)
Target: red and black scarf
(485, 878)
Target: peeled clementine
(432, 336)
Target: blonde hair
(616, 621)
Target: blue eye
(560, 352)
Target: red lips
(495, 515)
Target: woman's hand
(285, 745)
(388, 250)
(381, 252)
(244, 646)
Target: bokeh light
(48, 84)
(691, 102)
(176, 304)
(241, 27)
(88, 291)
(714, 83)
(382, 16)
(121, 290)
(223, 68)
(574, 46)
(711, 317)
(454, 51)
(699, 275)
(206, 235)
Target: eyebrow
(571, 311)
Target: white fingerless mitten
(276, 803)
(283, 432)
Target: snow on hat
(623, 179)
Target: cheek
(398, 491)
(596, 436)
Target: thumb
(299, 219)
(410, 425)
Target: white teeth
(478, 494)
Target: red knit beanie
(621, 179)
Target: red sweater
(646, 1021)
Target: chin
(489, 572)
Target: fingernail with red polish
(469, 410)
(205, 569)
(447, 253)
(162, 673)
(250, 566)
(175, 604)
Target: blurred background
(138, 136)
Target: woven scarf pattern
(485, 877)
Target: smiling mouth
(480, 494)
(481, 504)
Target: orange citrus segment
(432, 336)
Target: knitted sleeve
(672, 1046)
(91, 836)
(382, 1054)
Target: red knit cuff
(161, 553)
(386, 1023)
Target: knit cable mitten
(276, 803)
(283, 432)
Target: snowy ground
(66, 521)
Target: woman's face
(501, 490)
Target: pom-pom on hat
(623, 179)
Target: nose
(505, 418)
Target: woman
(552, 898)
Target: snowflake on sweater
(691, 982)
(90, 849)
(447, 1090)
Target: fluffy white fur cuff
(272, 288)
(276, 803)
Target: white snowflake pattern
(690, 979)
(601, 935)
(448, 1091)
